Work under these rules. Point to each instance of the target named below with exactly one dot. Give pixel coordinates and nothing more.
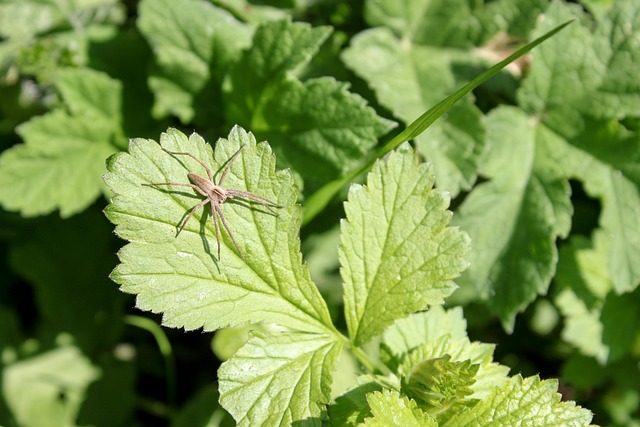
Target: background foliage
(541, 163)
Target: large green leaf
(181, 276)
(397, 254)
(516, 217)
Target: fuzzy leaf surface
(181, 276)
(524, 401)
(318, 127)
(275, 380)
(439, 333)
(397, 254)
(389, 408)
(61, 161)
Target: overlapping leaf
(397, 254)
(524, 401)
(60, 164)
(275, 380)
(317, 126)
(194, 43)
(181, 276)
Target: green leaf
(60, 164)
(527, 401)
(194, 43)
(516, 217)
(321, 198)
(276, 380)
(317, 126)
(583, 282)
(389, 408)
(618, 49)
(439, 383)
(420, 328)
(48, 389)
(437, 333)
(181, 276)
(397, 254)
(408, 79)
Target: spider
(215, 195)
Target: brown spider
(216, 195)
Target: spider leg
(226, 168)
(193, 209)
(255, 198)
(194, 158)
(226, 227)
(195, 187)
(214, 212)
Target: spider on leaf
(216, 195)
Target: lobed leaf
(516, 217)
(60, 164)
(397, 254)
(318, 127)
(275, 380)
(180, 276)
(194, 43)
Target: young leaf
(181, 276)
(527, 401)
(275, 380)
(60, 164)
(389, 408)
(437, 333)
(318, 127)
(397, 254)
(194, 42)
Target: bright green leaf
(48, 389)
(440, 383)
(60, 164)
(389, 408)
(194, 43)
(516, 217)
(181, 276)
(527, 401)
(438, 333)
(318, 127)
(276, 380)
(397, 254)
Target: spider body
(215, 195)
